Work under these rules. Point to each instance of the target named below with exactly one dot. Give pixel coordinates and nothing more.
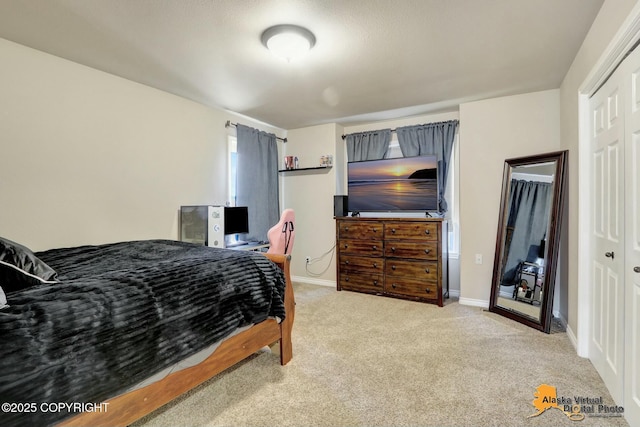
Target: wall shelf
(316, 168)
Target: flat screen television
(399, 184)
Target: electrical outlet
(478, 258)
(307, 259)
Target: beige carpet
(362, 360)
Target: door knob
(609, 255)
(636, 269)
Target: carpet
(364, 360)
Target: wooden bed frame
(129, 407)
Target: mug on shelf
(288, 162)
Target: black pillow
(20, 268)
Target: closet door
(632, 238)
(606, 344)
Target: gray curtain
(368, 145)
(430, 139)
(257, 179)
(529, 209)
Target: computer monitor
(236, 220)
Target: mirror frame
(553, 238)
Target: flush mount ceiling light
(288, 41)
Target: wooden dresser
(396, 257)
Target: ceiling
(373, 59)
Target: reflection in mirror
(526, 247)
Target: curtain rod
(235, 124)
(345, 136)
(393, 130)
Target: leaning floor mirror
(528, 238)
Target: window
(232, 167)
(394, 148)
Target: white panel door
(606, 346)
(632, 242)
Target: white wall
(611, 16)
(492, 131)
(310, 194)
(88, 157)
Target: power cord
(313, 260)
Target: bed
(83, 328)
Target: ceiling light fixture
(288, 41)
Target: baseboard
(453, 293)
(474, 302)
(573, 339)
(312, 281)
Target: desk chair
(282, 234)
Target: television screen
(401, 184)
(236, 220)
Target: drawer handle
(374, 247)
(347, 262)
(426, 251)
(375, 283)
(375, 230)
(346, 246)
(428, 290)
(375, 265)
(426, 270)
(346, 279)
(346, 229)
(393, 249)
(426, 231)
(393, 230)
(393, 285)
(393, 267)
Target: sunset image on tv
(407, 183)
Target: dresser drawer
(408, 249)
(412, 287)
(361, 264)
(361, 247)
(411, 230)
(360, 230)
(362, 282)
(421, 270)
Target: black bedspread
(120, 313)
